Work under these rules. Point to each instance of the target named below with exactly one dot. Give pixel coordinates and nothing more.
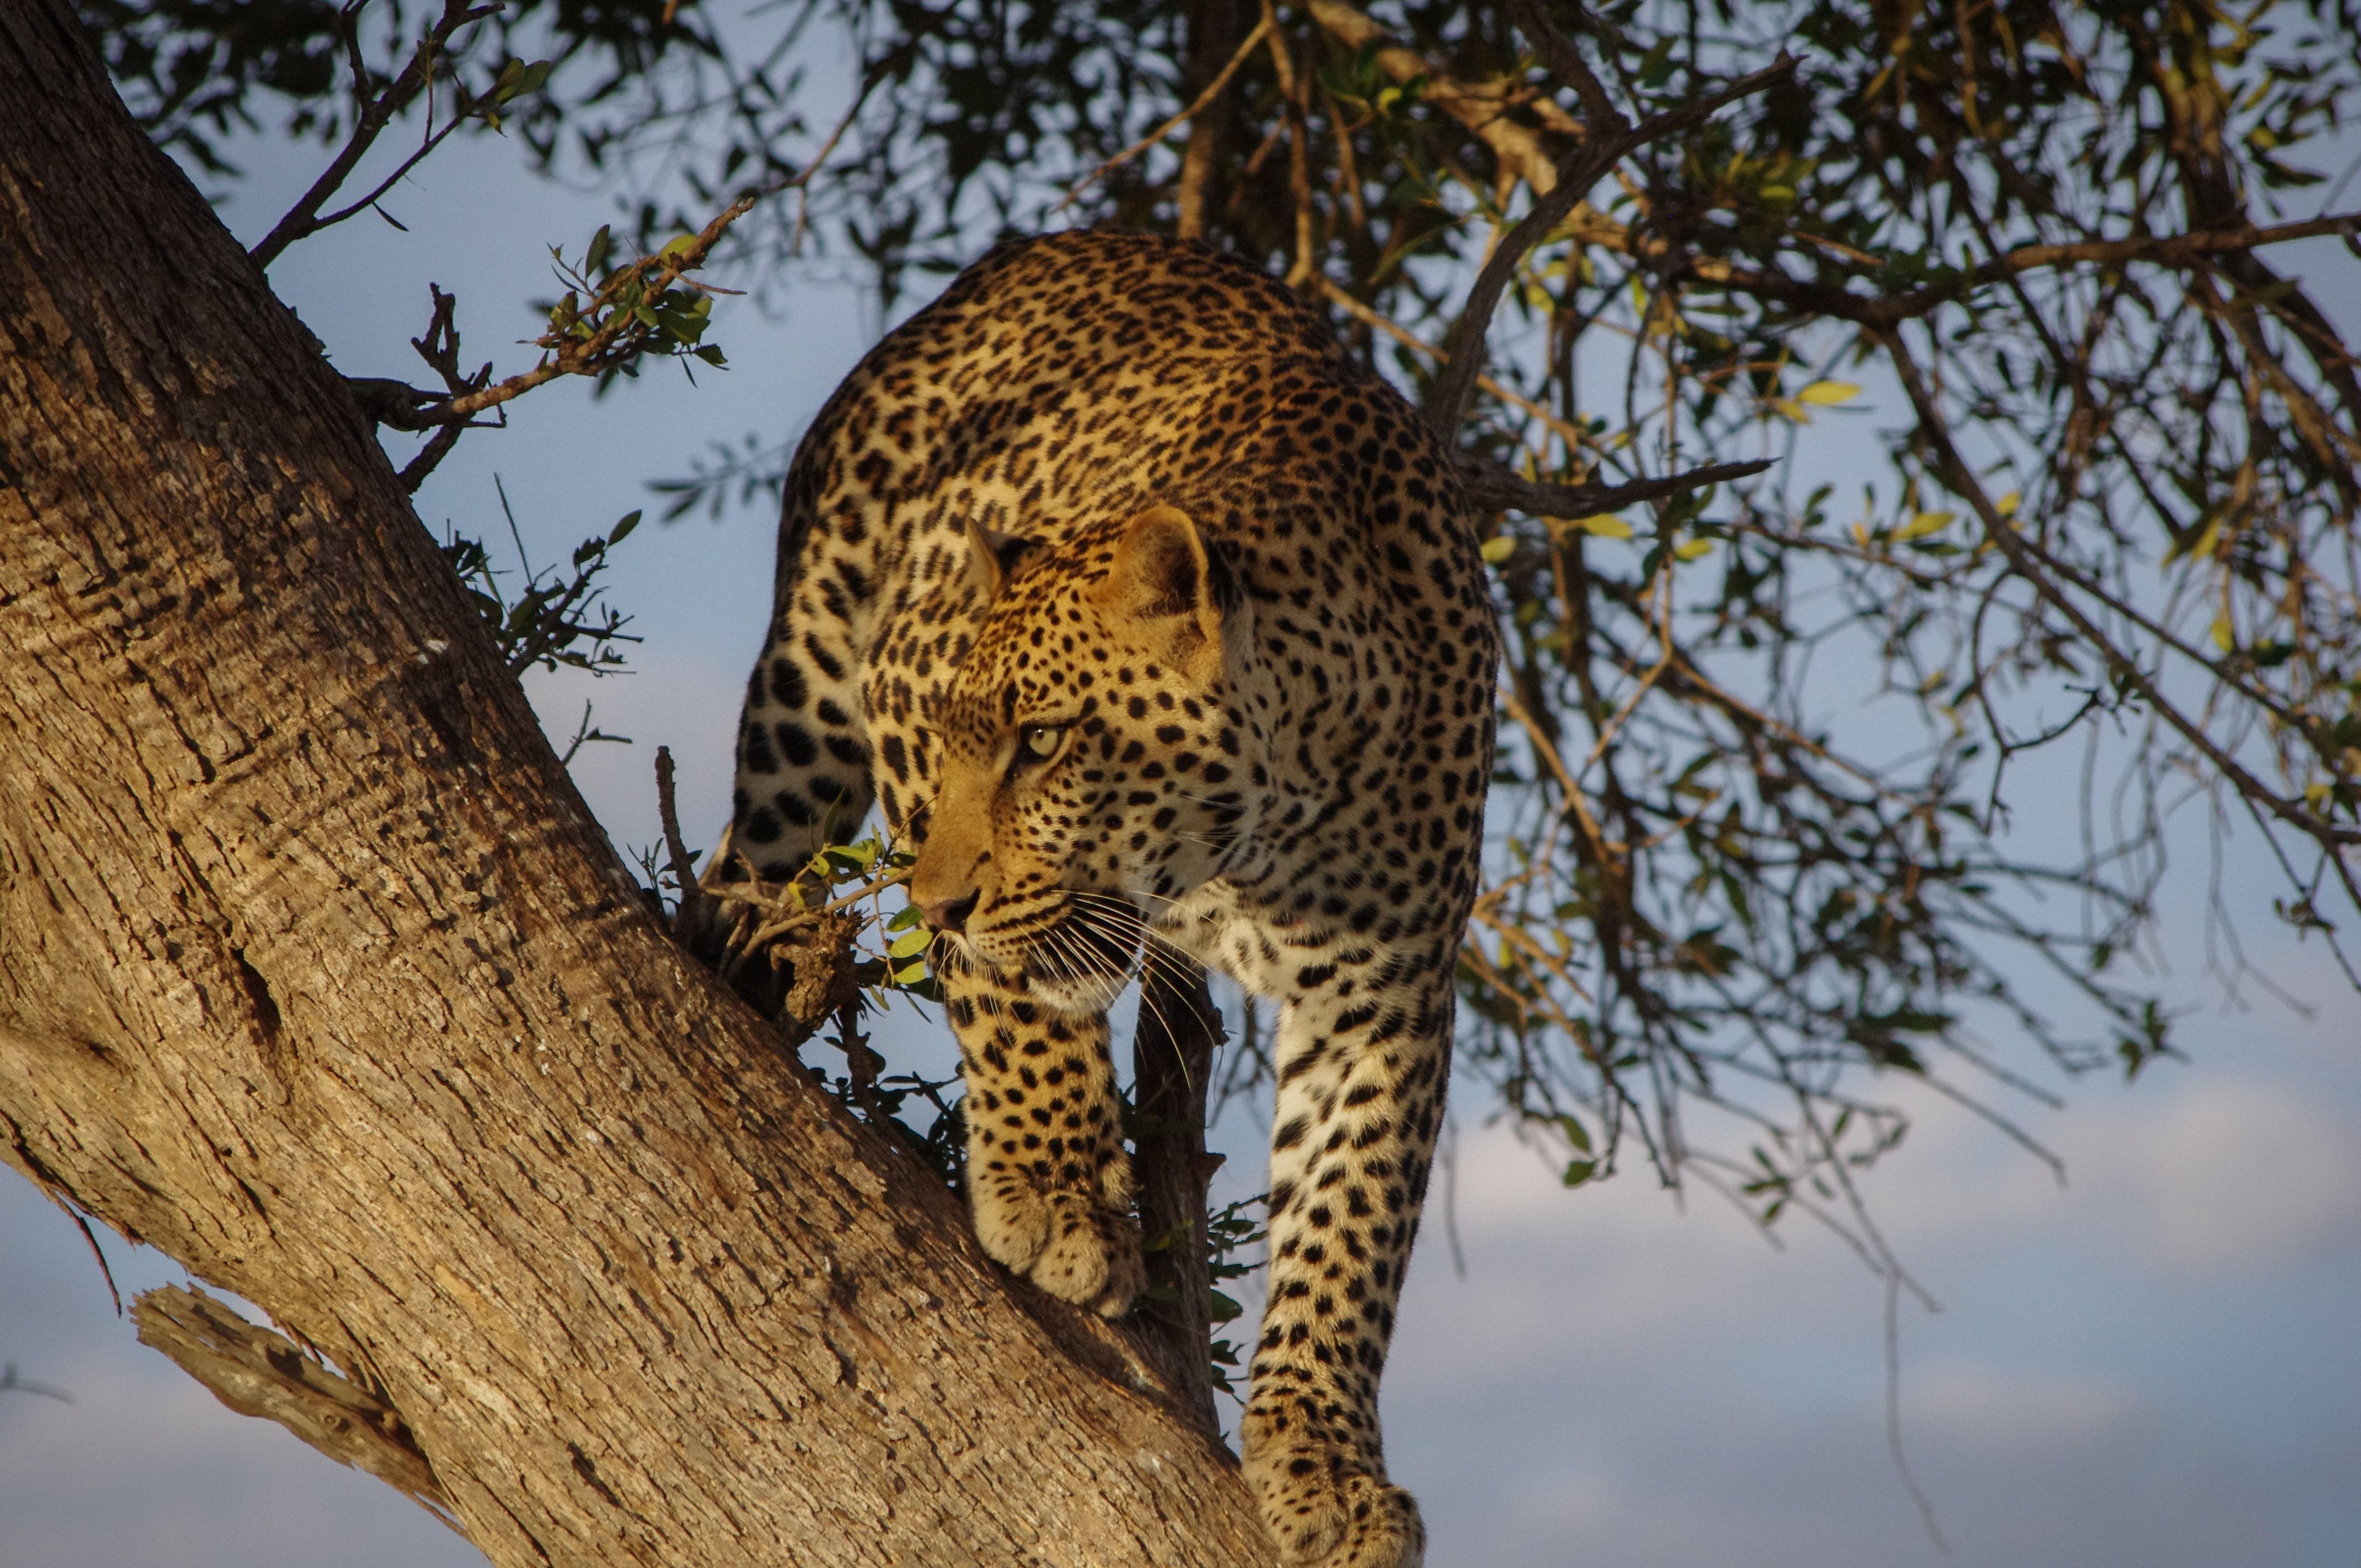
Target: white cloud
(1997, 1405)
(2228, 1176)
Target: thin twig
(684, 875)
(1196, 106)
(91, 1237)
(1963, 482)
(612, 343)
(1492, 487)
(1344, 300)
(375, 112)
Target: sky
(2151, 1364)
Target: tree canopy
(1763, 826)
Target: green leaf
(1604, 525)
(602, 244)
(1655, 66)
(1575, 1133)
(910, 944)
(621, 530)
(1498, 548)
(1925, 523)
(2201, 545)
(1829, 394)
(1578, 1171)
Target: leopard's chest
(1269, 956)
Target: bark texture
(315, 973)
(258, 1373)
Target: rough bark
(315, 973)
(258, 1373)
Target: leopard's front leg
(1361, 1075)
(1048, 1181)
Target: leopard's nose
(949, 913)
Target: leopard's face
(1094, 768)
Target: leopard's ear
(993, 557)
(1173, 592)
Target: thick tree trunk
(315, 973)
(1214, 29)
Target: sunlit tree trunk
(315, 973)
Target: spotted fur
(1160, 620)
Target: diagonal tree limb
(259, 1373)
(316, 974)
(1494, 488)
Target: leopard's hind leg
(1361, 1070)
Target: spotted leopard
(1156, 619)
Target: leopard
(1156, 620)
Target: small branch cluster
(378, 104)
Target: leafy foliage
(1861, 771)
(561, 619)
(196, 73)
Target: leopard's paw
(1012, 1221)
(1092, 1258)
(1323, 1518)
(1070, 1247)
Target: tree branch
(1484, 108)
(1197, 106)
(1494, 488)
(1212, 24)
(258, 1373)
(616, 339)
(1172, 1060)
(374, 113)
(1606, 141)
(1962, 481)
(349, 1006)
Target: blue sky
(2154, 1364)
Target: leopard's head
(1096, 759)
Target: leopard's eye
(1039, 743)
